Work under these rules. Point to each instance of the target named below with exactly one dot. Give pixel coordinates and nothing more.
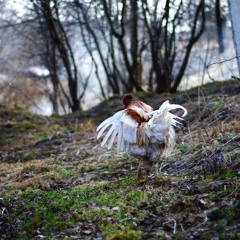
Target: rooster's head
(127, 99)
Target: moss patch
(57, 183)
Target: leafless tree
(118, 27)
(170, 55)
(234, 8)
(134, 43)
(136, 28)
(59, 48)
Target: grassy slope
(56, 182)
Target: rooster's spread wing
(140, 126)
(120, 126)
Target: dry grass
(57, 182)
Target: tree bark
(219, 22)
(234, 9)
(193, 39)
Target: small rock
(40, 236)
(115, 208)
(87, 232)
(168, 226)
(197, 233)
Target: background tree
(169, 55)
(116, 29)
(125, 23)
(59, 47)
(234, 8)
(219, 23)
(130, 45)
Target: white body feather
(151, 139)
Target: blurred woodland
(60, 56)
(79, 57)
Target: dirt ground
(56, 182)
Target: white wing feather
(161, 124)
(120, 125)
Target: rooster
(142, 132)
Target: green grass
(56, 181)
(62, 209)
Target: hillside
(57, 183)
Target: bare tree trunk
(136, 59)
(163, 43)
(114, 85)
(132, 83)
(48, 13)
(234, 9)
(193, 39)
(219, 22)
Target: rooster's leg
(139, 172)
(146, 178)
